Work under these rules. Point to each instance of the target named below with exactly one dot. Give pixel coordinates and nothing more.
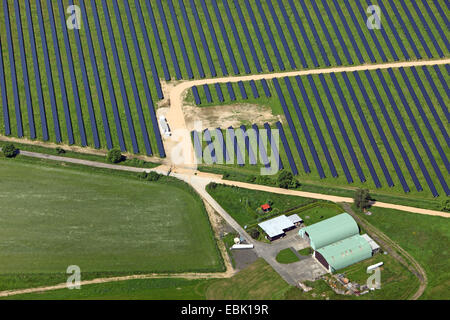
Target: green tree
(9, 150)
(362, 199)
(114, 156)
(286, 180)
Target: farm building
(330, 230)
(343, 253)
(276, 227)
(337, 242)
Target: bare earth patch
(228, 115)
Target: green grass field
(104, 223)
(425, 238)
(286, 256)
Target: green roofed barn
(343, 253)
(330, 230)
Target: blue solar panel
(348, 31)
(437, 118)
(326, 33)
(441, 12)
(392, 27)
(383, 33)
(262, 149)
(416, 29)
(169, 39)
(76, 95)
(315, 34)
(288, 24)
(219, 92)
(224, 35)
(406, 133)
(150, 57)
(254, 89)
(305, 129)
(436, 24)
(62, 82)
(425, 120)
(137, 99)
(144, 80)
(419, 133)
(213, 37)
(196, 96)
(369, 133)
(161, 54)
(98, 84)
(287, 149)
(436, 91)
(232, 138)
(257, 32)
(119, 73)
(248, 147)
(377, 123)
(394, 133)
(236, 35)
(360, 32)
(207, 93)
(6, 120)
(341, 126)
(51, 89)
(201, 33)
(231, 91)
(356, 133)
(26, 82)
(329, 127)
(316, 127)
(112, 94)
(87, 88)
(372, 32)
(273, 146)
(425, 25)
(190, 36)
(266, 88)
(270, 35)
(37, 74)
(287, 114)
(242, 89)
(303, 33)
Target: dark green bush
(9, 150)
(114, 156)
(362, 199)
(254, 233)
(60, 150)
(153, 176)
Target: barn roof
(331, 230)
(276, 226)
(346, 252)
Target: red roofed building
(266, 207)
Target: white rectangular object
(374, 266)
(242, 246)
(276, 226)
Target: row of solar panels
(85, 77)
(365, 118)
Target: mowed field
(99, 85)
(53, 217)
(386, 130)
